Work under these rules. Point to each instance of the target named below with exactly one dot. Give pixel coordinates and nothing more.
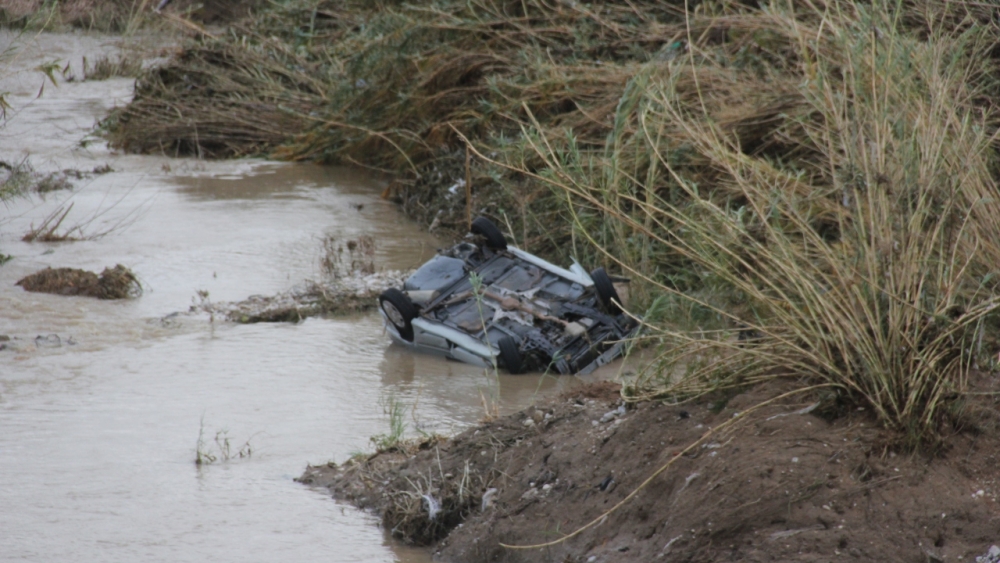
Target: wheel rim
(395, 317)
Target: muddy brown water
(100, 417)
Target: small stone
(488, 498)
(529, 494)
(49, 341)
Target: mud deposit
(350, 294)
(783, 485)
(113, 283)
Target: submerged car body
(493, 304)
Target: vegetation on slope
(817, 177)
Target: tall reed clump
(831, 196)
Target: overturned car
(488, 303)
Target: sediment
(113, 283)
(784, 485)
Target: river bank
(589, 478)
(103, 402)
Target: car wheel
(399, 310)
(485, 228)
(606, 291)
(510, 355)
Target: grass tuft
(861, 254)
(395, 438)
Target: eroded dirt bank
(784, 485)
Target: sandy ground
(780, 483)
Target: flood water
(100, 418)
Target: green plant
(202, 456)
(222, 451)
(104, 67)
(395, 410)
(16, 179)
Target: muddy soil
(113, 283)
(784, 484)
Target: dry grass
(391, 86)
(841, 210)
(97, 15)
(103, 68)
(817, 174)
(115, 16)
(395, 87)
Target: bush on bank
(820, 176)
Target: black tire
(606, 291)
(399, 310)
(510, 355)
(485, 228)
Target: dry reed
(863, 257)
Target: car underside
(491, 303)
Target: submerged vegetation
(799, 189)
(221, 449)
(103, 68)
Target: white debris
(488, 497)
(610, 415)
(456, 186)
(530, 494)
(433, 506)
(992, 556)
